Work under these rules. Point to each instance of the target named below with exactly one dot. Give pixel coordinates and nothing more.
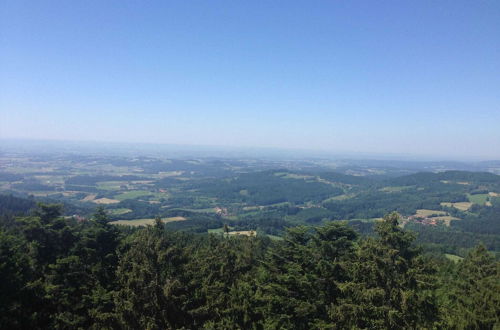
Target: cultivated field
(462, 206)
(243, 233)
(394, 188)
(453, 257)
(145, 222)
(105, 201)
(119, 211)
(339, 198)
(132, 194)
(111, 185)
(89, 198)
(480, 199)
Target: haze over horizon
(368, 77)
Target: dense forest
(327, 250)
(58, 272)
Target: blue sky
(413, 77)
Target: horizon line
(305, 152)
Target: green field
(159, 195)
(339, 198)
(134, 223)
(219, 230)
(111, 185)
(206, 210)
(369, 220)
(453, 257)
(294, 176)
(119, 211)
(394, 188)
(132, 194)
(480, 199)
(216, 231)
(462, 206)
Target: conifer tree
(474, 296)
(392, 285)
(150, 294)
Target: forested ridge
(57, 272)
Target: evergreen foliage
(59, 273)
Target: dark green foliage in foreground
(392, 286)
(470, 293)
(306, 268)
(57, 273)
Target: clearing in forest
(453, 257)
(462, 206)
(394, 188)
(145, 222)
(480, 199)
(119, 211)
(132, 194)
(339, 198)
(446, 219)
(243, 232)
(105, 201)
(111, 185)
(89, 198)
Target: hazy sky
(414, 77)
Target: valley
(261, 195)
